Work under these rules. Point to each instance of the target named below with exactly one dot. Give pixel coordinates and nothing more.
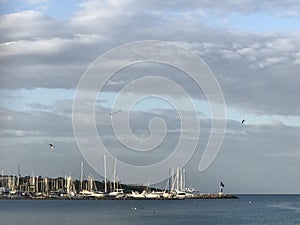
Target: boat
(152, 195)
(93, 194)
(137, 195)
(180, 194)
(191, 192)
(117, 193)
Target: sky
(252, 48)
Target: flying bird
(52, 146)
(112, 113)
(243, 121)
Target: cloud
(14, 26)
(19, 133)
(297, 58)
(258, 73)
(226, 6)
(271, 61)
(34, 2)
(55, 54)
(37, 123)
(40, 106)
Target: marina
(68, 188)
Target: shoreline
(199, 196)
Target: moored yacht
(117, 193)
(152, 195)
(136, 194)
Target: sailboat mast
(81, 175)
(181, 181)
(172, 179)
(177, 179)
(18, 182)
(105, 181)
(183, 174)
(115, 174)
(19, 170)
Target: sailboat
(91, 188)
(116, 192)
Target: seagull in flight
(243, 121)
(52, 146)
(112, 113)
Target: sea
(248, 210)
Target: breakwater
(78, 197)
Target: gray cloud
(258, 73)
(15, 27)
(37, 123)
(55, 54)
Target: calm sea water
(249, 209)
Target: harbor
(68, 188)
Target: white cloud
(35, 2)
(230, 54)
(271, 61)
(297, 58)
(47, 46)
(281, 45)
(30, 25)
(55, 54)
